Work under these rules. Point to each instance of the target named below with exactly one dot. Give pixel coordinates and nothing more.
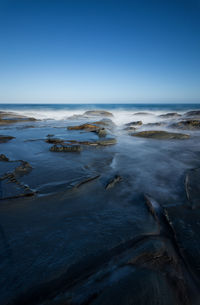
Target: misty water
(61, 225)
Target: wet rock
(156, 124)
(186, 228)
(4, 158)
(170, 115)
(76, 117)
(142, 113)
(86, 180)
(133, 124)
(53, 140)
(160, 135)
(130, 129)
(101, 132)
(192, 187)
(98, 113)
(102, 142)
(87, 127)
(187, 124)
(4, 139)
(65, 148)
(192, 113)
(104, 122)
(11, 118)
(23, 169)
(113, 182)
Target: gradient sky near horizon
(99, 50)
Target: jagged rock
(65, 148)
(187, 124)
(160, 135)
(170, 115)
(98, 113)
(192, 187)
(3, 158)
(192, 113)
(113, 181)
(4, 139)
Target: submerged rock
(102, 142)
(170, 115)
(187, 124)
(65, 148)
(113, 181)
(98, 113)
(192, 187)
(160, 135)
(4, 158)
(4, 139)
(53, 140)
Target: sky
(70, 51)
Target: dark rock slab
(5, 139)
(192, 187)
(160, 135)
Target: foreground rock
(170, 115)
(187, 124)
(5, 139)
(98, 113)
(4, 158)
(65, 148)
(192, 187)
(87, 127)
(160, 135)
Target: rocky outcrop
(160, 135)
(87, 127)
(170, 115)
(5, 139)
(23, 169)
(102, 113)
(133, 124)
(11, 118)
(187, 124)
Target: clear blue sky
(99, 50)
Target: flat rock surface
(160, 134)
